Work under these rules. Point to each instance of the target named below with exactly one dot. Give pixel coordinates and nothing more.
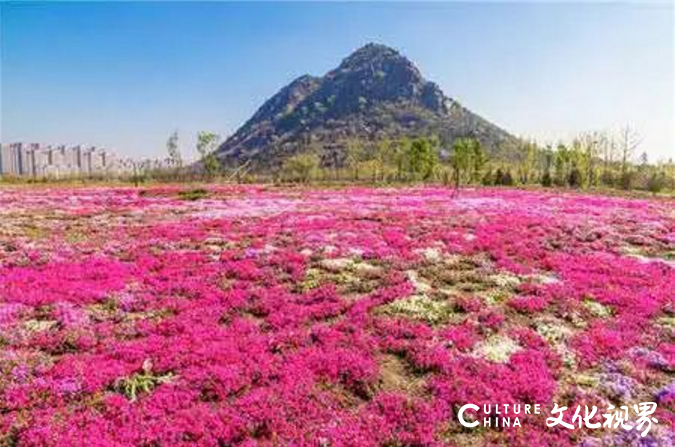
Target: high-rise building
(32, 160)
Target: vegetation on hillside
(591, 160)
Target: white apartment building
(33, 160)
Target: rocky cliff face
(375, 92)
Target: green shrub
(656, 182)
(193, 194)
(546, 180)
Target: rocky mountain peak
(374, 92)
(376, 56)
(372, 75)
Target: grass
(193, 194)
(143, 382)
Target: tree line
(590, 160)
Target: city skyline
(34, 160)
(125, 76)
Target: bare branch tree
(629, 141)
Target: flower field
(271, 316)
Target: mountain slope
(373, 93)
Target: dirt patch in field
(397, 376)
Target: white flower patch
(364, 267)
(647, 260)
(356, 252)
(336, 264)
(269, 248)
(414, 278)
(505, 280)
(597, 309)
(420, 307)
(552, 332)
(430, 254)
(541, 278)
(497, 349)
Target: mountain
(374, 93)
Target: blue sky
(125, 75)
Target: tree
(174, 152)
(608, 153)
(643, 161)
(562, 159)
(546, 179)
(390, 152)
(479, 160)
(607, 148)
(422, 158)
(503, 177)
(585, 150)
(399, 150)
(529, 161)
(467, 155)
(656, 182)
(488, 178)
(607, 177)
(207, 143)
(499, 174)
(668, 169)
(629, 140)
(574, 177)
(508, 178)
(138, 172)
(626, 179)
(301, 167)
(354, 157)
(383, 154)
